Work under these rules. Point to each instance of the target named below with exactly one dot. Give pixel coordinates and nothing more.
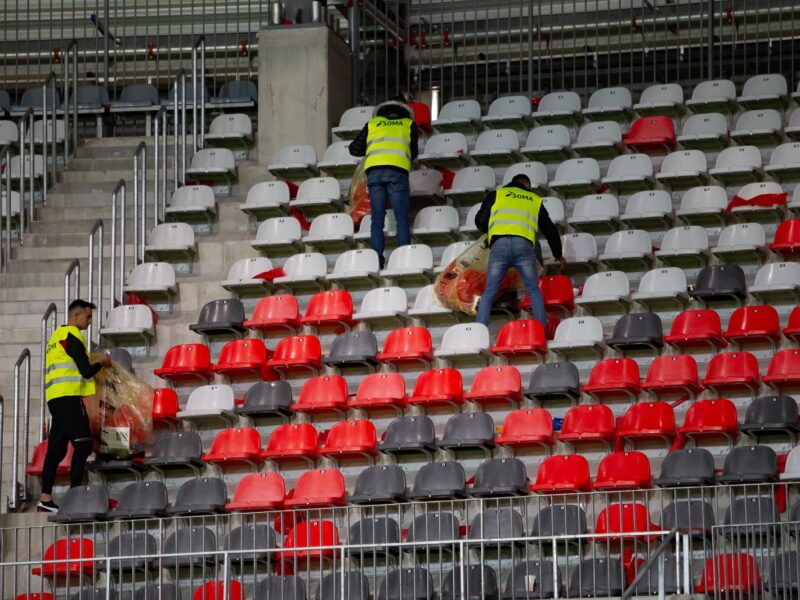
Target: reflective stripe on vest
(61, 375)
(389, 143)
(515, 212)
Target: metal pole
(176, 125)
(31, 177)
(17, 486)
(156, 172)
(22, 133)
(107, 14)
(194, 99)
(45, 85)
(203, 91)
(74, 267)
(46, 331)
(353, 17)
(7, 240)
(183, 128)
(710, 66)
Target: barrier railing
(118, 207)
(160, 183)
(95, 293)
(26, 124)
(179, 124)
(198, 83)
(48, 326)
(19, 485)
(6, 152)
(70, 99)
(139, 201)
(72, 275)
(49, 173)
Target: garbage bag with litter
(359, 206)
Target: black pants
(70, 424)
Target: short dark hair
(521, 178)
(80, 304)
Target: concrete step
(60, 251)
(78, 237)
(21, 294)
(105, 175)
(50, 226)
(114, 162)
(34, 305)
(82, 212)
(23, 319)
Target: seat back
(425, 182)
(281, 228)
(527, 422)
(214, 158)
(320, 188)
(761, 85)
(269, 395)
(466, 336)
(385, 300)
(785, 154)
(579, 329)
(296, 154)
(460, 109)
(687, 466)
(382, 386)
(605, 284)
(497, 139)
(477, 177)
(684, 161)
(444, 217)
(187, 357)
(413, 583)
(210, 397)
(239, 89)
(381, 480)
(596, 205)
(751, 464)
(469, 427)
(600, 131)
(762, 119)
(495, 522)
(225, 311)
(659, 93)
(432, 527)
(726, 279)
(293, 437)
(140, 93)
(709, 197)
(236, 441)
(319, 483)
(562, 474)
(410, 430)
(325, 389)
(235, 123)
(202, 491)
(272, 193)
(535, 171)
(338, 152)
(310, 264)
(706, 124)
(259, 489)
(193, 196)
(408, 340)
(560, 101)
(579, 247)
(711, 414)
(362, 260)
(589, 421)
(152, 275)
(560, 519)
(356, 117)
(629, 242)
(353, 344)
(575, 169)
(667, 281)
(714, 90)
(623, 469)
(283, 307)
(739, 157)
(688, 237)
(246, 269)
(611, 97)
(331, 304)
(688, 516)
(411, 257)
(512, 106)
(130, 316)
(557, 375)
(144, 496)
(742, 234)
(169, 235)
(453, 251)
(447, 143)
(548, 136)
(440, 476)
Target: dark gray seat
(137, 544)
(190, 540)
(91, 99)
(177, 449)
(141, 500)
(33, 98)
(750, 464)
(688, 516)
(123, 357)
(356, 586)
(93, 593)
(353, 349)
(496, 524)
(166, 591)
(280, 587)
(267, 398)
(5, 103)
(500, 477)
(377, 531)
(409, 435)
(468, 430)
(253, 536)
(554, 381)
(533, 579)
(434, 526)
(783, 573)
(379, 484)
(720, 283)
(137, 96)
(638, 331)
(220, 317)
(407, 584)
(771, 414)
(202, 496)
(751, 515)
(439, 481)
(648, 585)
(82, 504)
(480, 584)
(242, 92)
(559, 519)
(687, 467)
(595, 577)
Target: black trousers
(70, 424)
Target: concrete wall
(304, 87)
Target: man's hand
(562, 263)
(106, 360)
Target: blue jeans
(507, 252)
(391, 185)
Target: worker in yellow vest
(513, 216)
(68, 377)
(390, 143)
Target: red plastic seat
(316, 489)
(558, 295)
(438, 387)
(527, 427)
(235, 446)
(186, 362)
(36, 467)
(379, 391)
(35, 596)
(350, 439)
(298, 353)
(623, 471)
(245, 357)
(588, 423)
(257, 492)
(165, 406)
(786, 242)
(711, 418)
(651, 135)
(792, 329)
(292, 442)
(730, 575)
(275, 313)
(648, 421)
(215, 590)
(520, 338)
(672, 374)
(316, 536)
(496, 384)
(407, 345)
(61, 551)
(784, 370)
(621, 518)
(612, 377)
(733, 371)
(422, 116)
(563, 474)
(325, 393)
(696, 329)
(753, 323)
(329, 309)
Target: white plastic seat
(508, 111)
(436, 224)
(129, 322)
(407, 263)
(758, 127)
(448, 150)
(754, 212)
(267, 199)
(242, 281)
(352, 122)
(535, 171)
(278, 234)
(465, 341)
(427, 309)
(547, 143)
(233, 131)
(580, 250)
(39, 132)
(469, 229)
(318, 195)
(597, 213)
(9, 134)
(555, 210)
(558, 107)
(765, 91)
(294, 162)
(706, 131)
(738, 165)
(703, 205)
(337, 160)
(614, 103)
(154, 279)
(384, 303)
(389, 227)
(15, 165)
(791, 470)
(470, 184)
(497, 147)
(578, 334)
(777, 282)
(356, 267)
(792, 130)
(631, 249)
(192, 203)
(741, 242)
(16, 205)
(210, 403)
(213, 164)
(714, 96)
(794, 204)
(661, 99)
(172, 242)
(784, 163)
(629, 173)
(648, 209)
(458, 115)
(303, 271)
(609, 288)
(599, 139)
(577, 176)
(451, 253)
(684, 246)
(662, 286)
(683, 168)
(330, 232)
(425, 184)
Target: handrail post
(74, 267)
(199, 46)
(119, 192)
(48, 121)
(50, 317)
(183, 128)
(18, 485)
(5, 238)
(139, 187)
(71, 59)
(158, 173)
(31, 177)
(98, 231)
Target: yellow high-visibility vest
(389, 143)
(515, 212)
(61, 375)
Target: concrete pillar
(304, 87)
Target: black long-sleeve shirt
(76, 351)
(545, 224)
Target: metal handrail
(19, 492)
(23, 127)
(51, 83)
(139, 201)
(160, 131)
(96, 234)
(657, 555)
(199, 46)
(5, 232)
(179, 121)
(48, 327)
(118, 197)
(74, 267)
(71, 52)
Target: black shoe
(48, 506)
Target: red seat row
(282, 312)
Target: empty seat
(791, 471)
(152, 279)
(141, 500)
(784, 165)
(623, 471)
(383, 303)
(354, 583)
(244, 277)
(577, 176)
(597, 213)
(220, 317)
(759, 127)
(707, 132)
(659, 286)
(497, 523)
(729, 574)
(695, 517)
(750, 464)
(671, 375)
(711, 418)
(599, 139)
(318, 537)
(750, 516)
(519, 339)
(134, 544)
(350, 439)
(536, 172)
(750, 324)
(406, 584)
(472, 183)
(612, 377)
(588, 423)
(34, 98)
(696, 328)
(547, 143)
(186, 362)
(216, 165)
(356, 268)
(617, 521)
(405, 435)
(703, 206)
(58, 554)
(425, 184)
(325, 393)
(352, 122)
(682, 169)
(323, 195)
(332, 309)
(233, 131)
(140, 97)
(559, 107)
(684, 246)
(647, 421)
(446, 150)
(596, 577)
(629, 250)
(468, 431)
(609, 103)
(496, 147)
(731, 371)
(258, 537)
(560, 519)
(563, 474)
(278, 234)
(189, 546)
(738, 165)
(629, 173)
(353, 349)
(129, 321)
(235, 446)
(786, 242)
(533, 579)
(303, 271)
(279, 312)
(500, 477)
(661, 99)
(244, 358)
(432, 527)
(436, 224)
(783, 372)
(792, 329)
(527, 427)
(578, 333)
(379, 391)
(651, 135)
(238, 93)
(438, 387)
(375, 533)
(294, 162)
(783, 573)
(337, 160)
(468, 229)
(720, 283)
(458, 115)
(717, 95)
(379, 484)
(601, 290)
(508, 111)
(465, 340)
(554, 381)
(480, 582)
(687, 467)
(82, 504)
(258, 492)
(408, 263)
(741, 242)
(408, 345)
(792, 130)
(636, 332)
(201, 496)
(580, 250)
(209, 402)
(439, 481)
(291, 443)
(153, 591)
(317, 488)
(299, 353)
(764, 91)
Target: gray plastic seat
(253, 536)
(688, 516)
(500, 477)
(480, 584)
(353, 349)
(356, 586)
(281, 587)
(153, 591)
(379, 484)
(468, 430)
(648, 585)
(720, 283)
(91, 98)
(202, 496)
(559, 519)
(636, 332)
(236, 92)
(141, 500)
(123, 358)
(139, 543)
(377, 532)
(434, 526)
(5, 102)
(554, 381)
(188, 540)
(595, 577)
(93, 593)
(687, 467)
(220, 317)
(751, 516)
(409, 435)
(771, 414)
(496, 524)
(267, 398)
(439, 481)
(33, 98)
(750, 464)
(177, 449)
(407, 584)
(533, 579)
(82, 504)
(140, 95)
(783, 573)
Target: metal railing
(49, 173)
(6, 152)
(22, 394)
(96, 240)
(70, 99)
(140, 201)
(72, 276)
(160, 182)
(26, 124)
(179, 125)
(118, 208)
(198, 83)
(48, 327)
